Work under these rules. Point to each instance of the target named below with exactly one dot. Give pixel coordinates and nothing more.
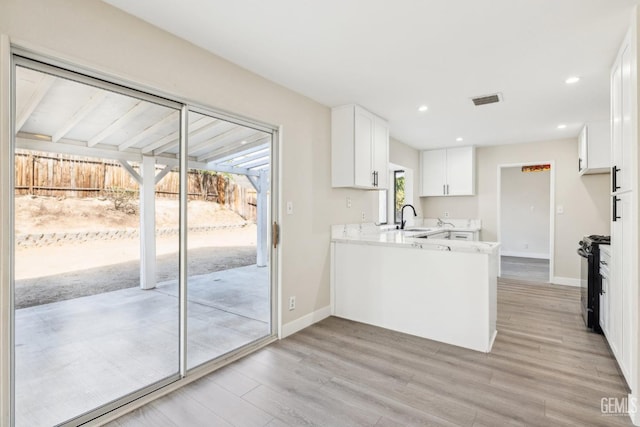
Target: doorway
(526, 221)
(140, 251)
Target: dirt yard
(58, 272)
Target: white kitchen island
(437, 289)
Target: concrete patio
(78, 354)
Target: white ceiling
(393, 56)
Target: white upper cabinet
(594, 148)
(621, 120)
(448, 172)
(433, 168)
(359, 149)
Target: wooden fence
(59, 175)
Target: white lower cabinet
(619, 293)
(416, 291)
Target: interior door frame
(552, 204)
(129, 402)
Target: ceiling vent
(487, 99)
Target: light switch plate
(560, 210)
(289, 208)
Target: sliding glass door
(106, 306)
(228, 284)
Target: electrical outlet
(348, 202)
(526, 246)
(292, 303)
(446, 214)
(364, 217)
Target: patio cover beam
(119, 124)
(42, 87)
(171, 117)
(131, 171)
(262, 255)
(148, 224)
(79, 115)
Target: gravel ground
(64, 286)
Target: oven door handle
(583, 253)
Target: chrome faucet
(402, 220)
(442, 223)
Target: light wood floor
(519, 268)
(545, 370)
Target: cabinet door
(582, 150)
(381, 153)
(621, 116)
(433, 168)
(616, 121)
(363, 152)
(622, 259)
(624, 176)
(460, 171)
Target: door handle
(614, 179)
(275, 234)
(615, 208)
(579, 164)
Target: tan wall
(93, 34)
(585, 199)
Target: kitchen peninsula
(444, 290)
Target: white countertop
(370, 234)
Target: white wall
(585, 199)
(524, 216)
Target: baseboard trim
(566, 281)
(305, 321)
(524, 254)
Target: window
(398, 194)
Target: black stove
(597, 239)
(590, 280)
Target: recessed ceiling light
(243, 142)
(571, 80)
(423, 108)
(562, 126)
(459, 139)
